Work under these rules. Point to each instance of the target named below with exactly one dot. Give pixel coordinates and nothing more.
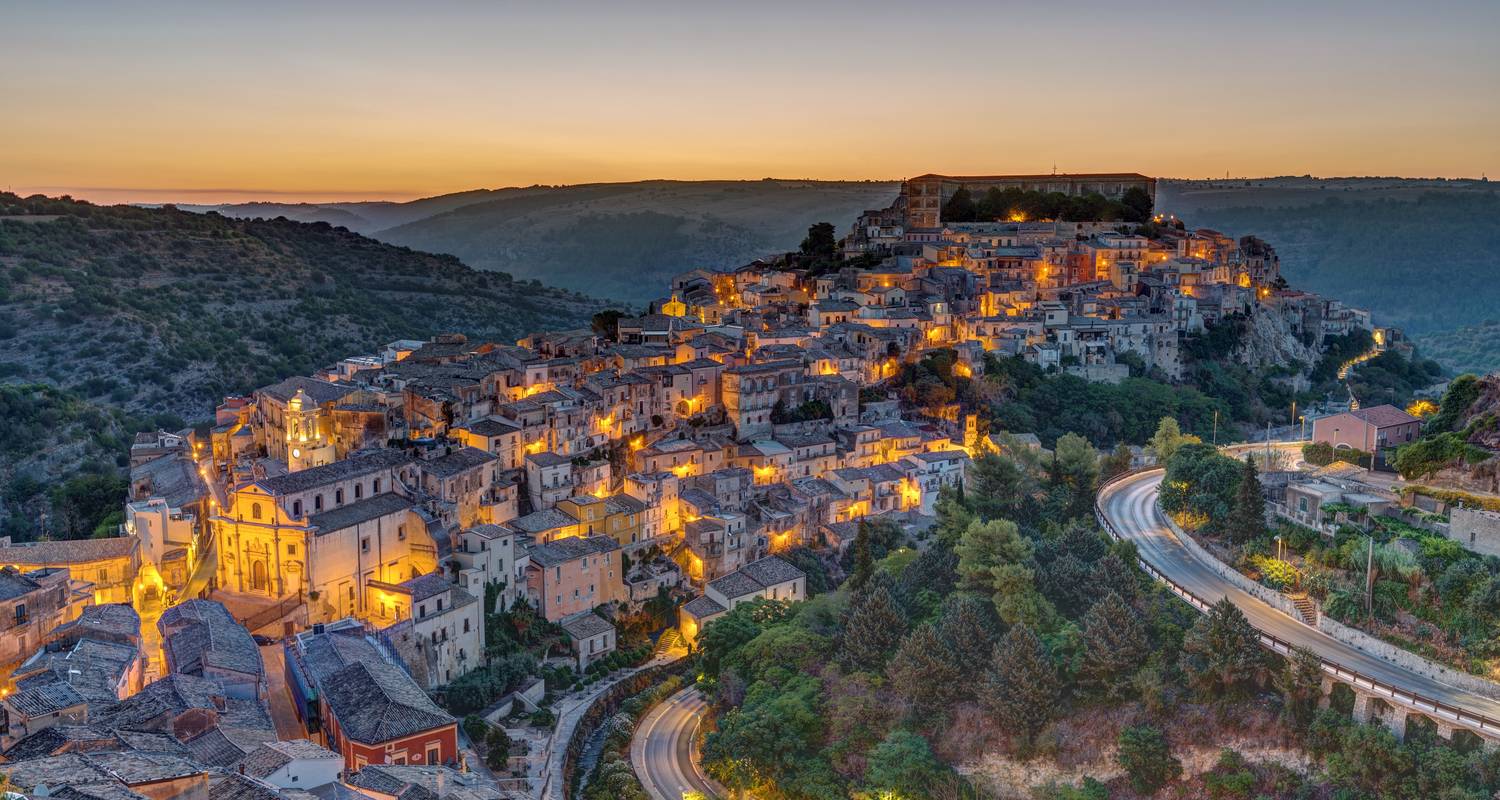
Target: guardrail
(1477, 723)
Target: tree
(1300, 682)
(497, 750)
(1247, 522)
(903, 765)
(606, 323)
(985, 546)
(926, 672)
(960, 207)
(998, 487)
(475, 728)
(1368, 758)
(1116, 463)
(1115, 644)
(864, 560)
(968, 628)
(1221, 654)
(873, 630)
(820, 244)
(1076, 466)
(1137, 203)
(1021, 687)
(1167, 439)
(1147, 759)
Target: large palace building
(926, 194)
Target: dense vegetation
(1015, 629)
(1015, 395)
(143, 317)
(1473, 348)
(1019, 204)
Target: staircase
(1307, 608)
(671, 639)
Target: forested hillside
(616, 239)
(117, 319)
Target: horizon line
(406, 195)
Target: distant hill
(1473, 348)
(1422, 255)
(615, 239)
(115, 319)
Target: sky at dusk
(197, 102)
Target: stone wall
(1475, 529)
(1407, 660)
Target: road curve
(1129, 505)
(662, 753)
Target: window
(466, 630)
(434, 754)
(317, 502)
(401, 533)
(338, 497)
(440, 604)
(297, 508)
(364, 545)
(422, 610)
(103, 576)
(359, 490)
(291, 549)
(255, 511)
(375, 486)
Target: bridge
(1392, 691)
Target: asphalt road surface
(1130, 504)
(662, 750)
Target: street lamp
(1279, 550)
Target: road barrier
(1481, 724)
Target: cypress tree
(1247, 520)
(864, 560)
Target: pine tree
(1221, 653)
(1115, 644)
(873, 630)
(1247, 520)
(1147, 759)
(1021, 688)
(985, 546)
(1300, 682)
(926, 672)
(969, 627)
(864, 560)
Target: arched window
(255, 511)
(338, 497)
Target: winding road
(1129, 506)
(662, 751)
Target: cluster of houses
(370, 509)
(82, 720)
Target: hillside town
(299, 586)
